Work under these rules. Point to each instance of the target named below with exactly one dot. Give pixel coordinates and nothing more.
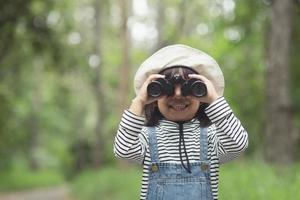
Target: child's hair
(152, 112)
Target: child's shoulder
(146, 129)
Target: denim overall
(171, 181)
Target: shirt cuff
(132, 122)
(218, 110)
(129, 115)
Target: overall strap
(153, 144)
(203, 143)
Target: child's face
(178, 107)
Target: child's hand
(142, 98)
(211, 95)
(143, 95)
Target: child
(178, 136)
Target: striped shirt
(226, 140)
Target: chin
(181, 118)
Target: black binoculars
(161, 86)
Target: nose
(177, 91)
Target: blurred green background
(66, 70)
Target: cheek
(194, 107)
(162, 104)
(194, 103)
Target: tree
(98, 87)
(281, 138)
(34, 119)
(160, 22)
(125, 65)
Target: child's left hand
(211, 95)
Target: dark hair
(152, 112)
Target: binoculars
(161, 86)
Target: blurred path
(56, 193)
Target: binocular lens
(198, 89)
(154, 89)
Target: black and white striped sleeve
(230, 138)
(129, 143)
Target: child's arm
(230, 138)
(129, 142)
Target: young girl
(180, 139)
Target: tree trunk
(34, 119)
(98, 87)
(80, 146)
(160, 22)
(180, 22)
(280, 135)
(125, 65)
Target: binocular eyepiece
(161, 86)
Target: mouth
(178, 107)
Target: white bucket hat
(180, 55)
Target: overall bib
(171, 181)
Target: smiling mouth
(178, 107)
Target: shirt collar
(171, 124)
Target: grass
(21, 179)
(108, 184)
(252, 180)
(247, 180)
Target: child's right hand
(143, 97)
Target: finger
(151, 78)
(154, 76)
(143, 91)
